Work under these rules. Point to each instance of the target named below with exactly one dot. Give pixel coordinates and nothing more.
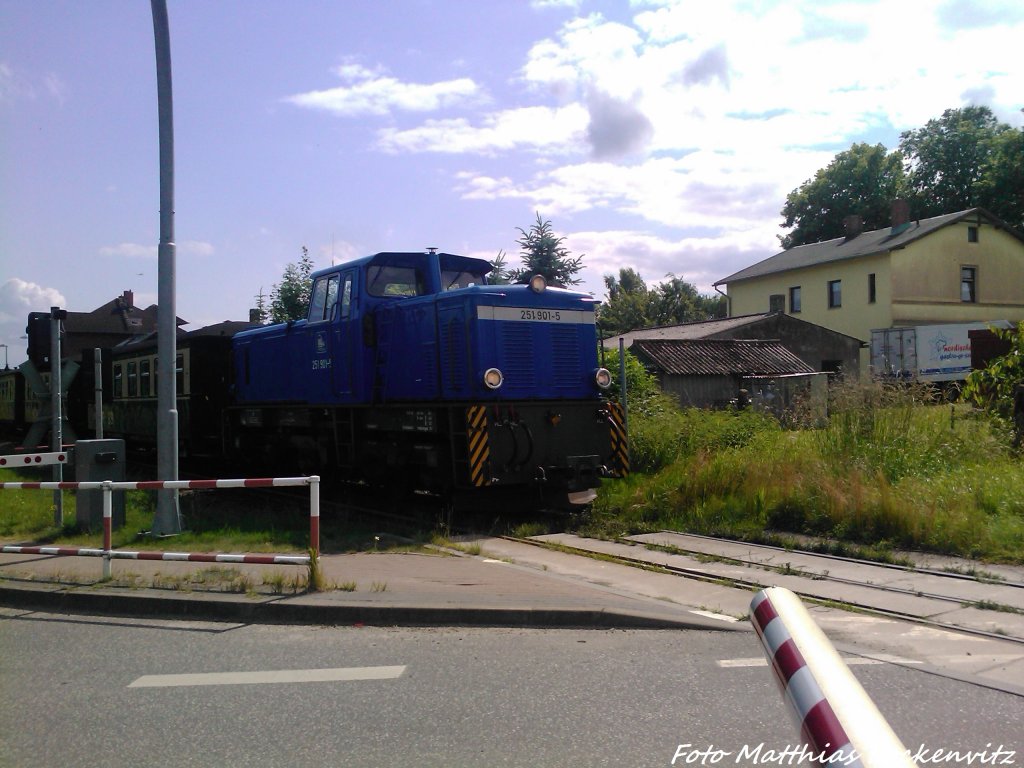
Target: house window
(835, 293)
(871, 288)
(972, 234)
(794, 299)
(969, 284)
(777, 303)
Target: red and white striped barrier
(109, 486)
(33, 459)
(194, 557)
(837, 719)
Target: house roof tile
(864, 244)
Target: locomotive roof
(449, 261)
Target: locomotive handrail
(109, 486)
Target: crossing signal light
(38, 331)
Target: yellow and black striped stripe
(619, 440)
(479, 445)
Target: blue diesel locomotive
(412, 370)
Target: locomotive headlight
(602, 378)
(493, 378)
(538, 283)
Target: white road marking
(712, 615)
(337, 674)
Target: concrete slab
(904, 604)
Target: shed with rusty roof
(710, 373)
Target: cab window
(346, 296)
(323, 299)
(393, 281)
(454, 279)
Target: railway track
(989, 602)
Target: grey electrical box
(99, 460)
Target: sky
(658, 135)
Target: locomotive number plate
(536, 315)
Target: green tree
(863, 180)
(543, 254)
(628, 304)
(262, 311)
(289, 299)
(677, 301)
(1001, 189)
(499, 274)
(946, 159)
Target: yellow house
(957, 268)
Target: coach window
(133, 379)
(118, 380)
(179, 374)
(144, 379)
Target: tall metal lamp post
(167, 520)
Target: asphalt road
(84, 691)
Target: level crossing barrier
(108, 487)
(20, 460)
(838, 721)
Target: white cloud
(17, 86)
(699, 118)
(195, 248)
(532, 128)
(697, 260)
(130, 250)
(139, 251)
(18, 298)
(370, 92)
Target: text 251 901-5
(539, 314)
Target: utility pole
(167, 521)
(56, 412)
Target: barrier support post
(314, 514)
(108, 507)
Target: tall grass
(892, 467)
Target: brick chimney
(900, 216)
(853, 225)
(128, 297)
